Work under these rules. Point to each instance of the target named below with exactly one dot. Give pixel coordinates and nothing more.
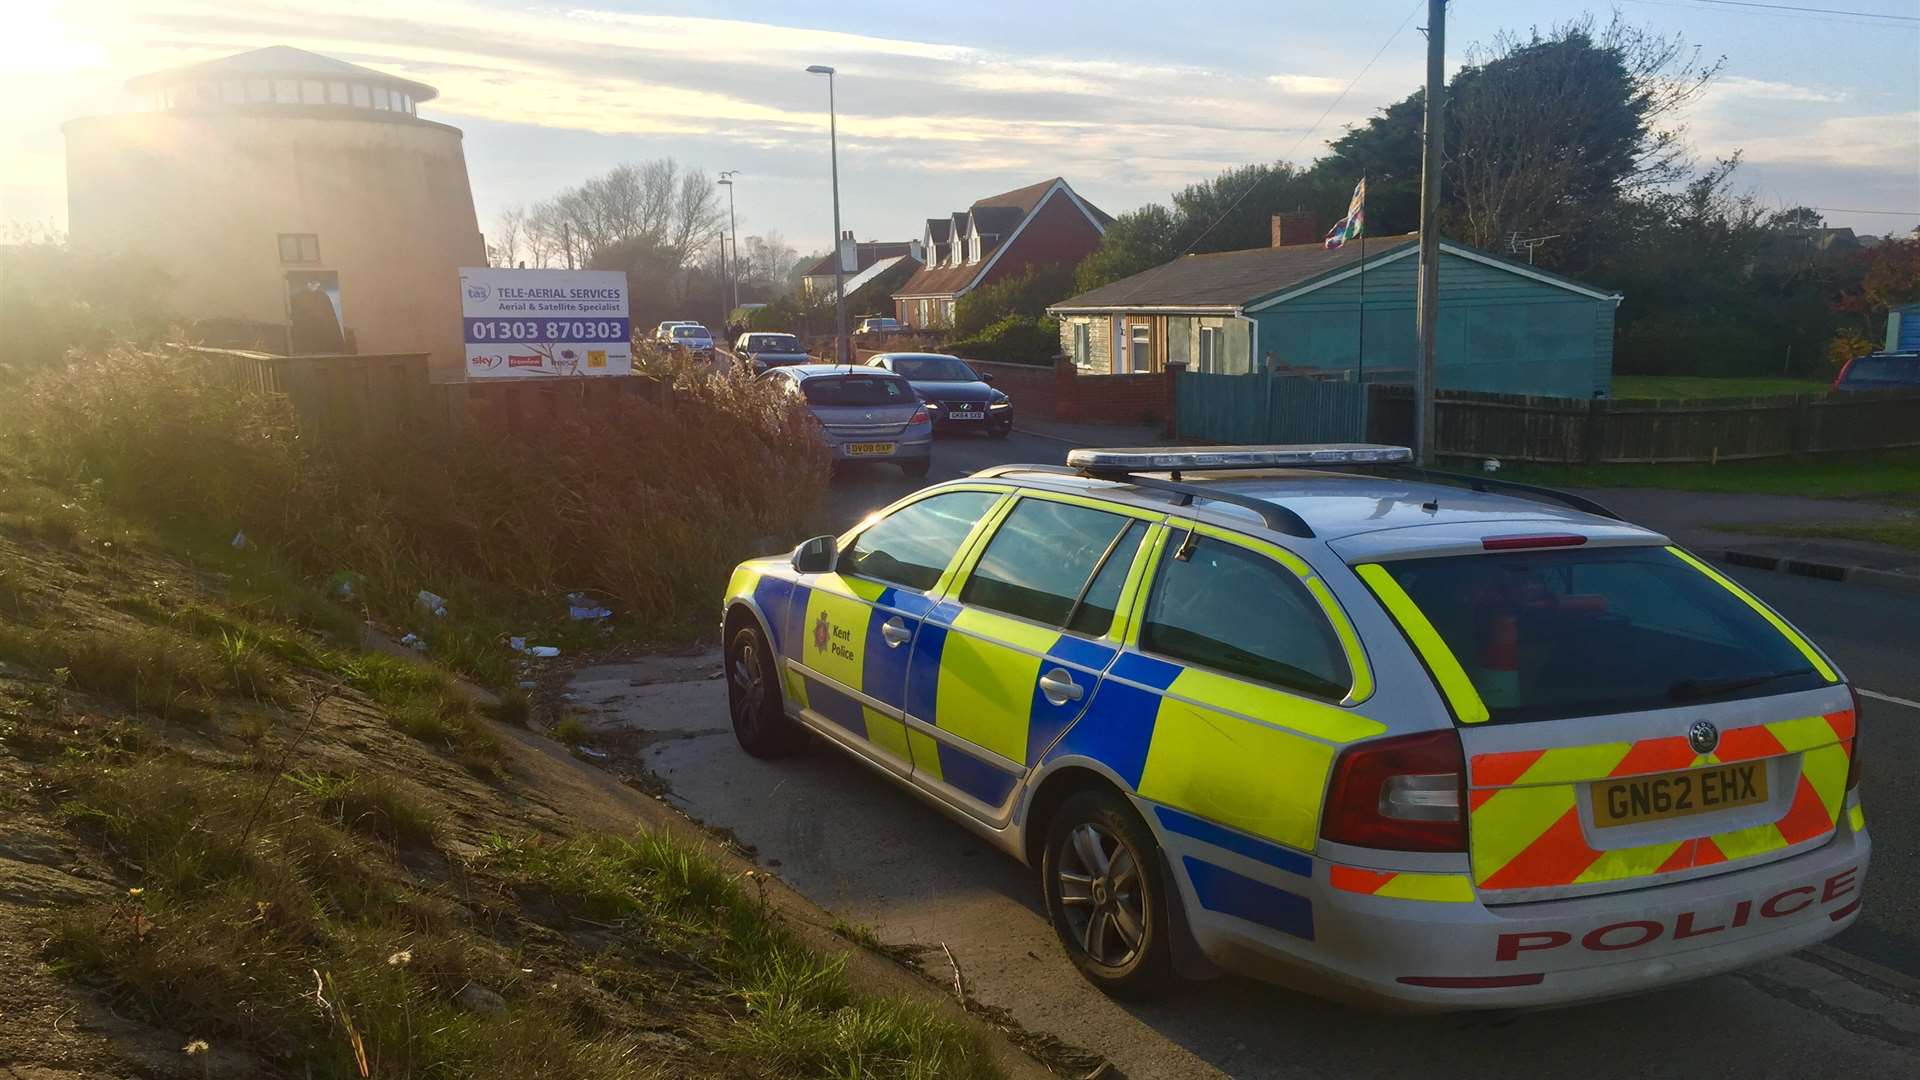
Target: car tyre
(917, 467)
(1108, 896)
(753, 698)
(1000, 431)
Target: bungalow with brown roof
(1298, 308)
(1043, 224)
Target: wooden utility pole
(1426, 321)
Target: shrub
(1016, 339)
(646, 503)
(1027, 293)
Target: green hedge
(1016, 339)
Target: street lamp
(733, 227)
(833, 149)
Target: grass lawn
(1887, 474)
(1900, 532)
(1689, 386)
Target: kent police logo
(821, 633)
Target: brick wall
(1035, 391)
(1114, 399)
(1064, 393)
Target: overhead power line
(1847, 210)
(1378, 53)
(1810, 10)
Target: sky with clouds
(939, 104)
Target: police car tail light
(1402, 794)
(1853, 755)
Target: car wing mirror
(986, 377)
(817, 556)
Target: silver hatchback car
(866, 414)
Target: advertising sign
(525, 323)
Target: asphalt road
(876, 855)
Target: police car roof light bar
(1099, 462)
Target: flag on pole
(1355, 223)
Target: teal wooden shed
(1504, 326)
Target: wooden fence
(371, 396)
(1268, 409)
(1572, 431)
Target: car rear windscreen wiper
(1700, 689)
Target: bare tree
(509, 237)
(1544, 128)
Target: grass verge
(1893, 474)
(287, 928)
(801, 1016)
(1898, 532)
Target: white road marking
(1887, 698)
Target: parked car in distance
(692, 337)
(866, 415)
(663, 332)
(958, 397)
(764, 350)
(878, 325)
(1880, 371)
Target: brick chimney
(1297, 227)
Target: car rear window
(773, 343)
(1900, 369)
(857, 390)
(689, 331)
(934, 368)
(1545, 635)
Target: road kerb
(1888, 580)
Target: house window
(313, 92)
(380, 97)
(336, 93)
(1140, 351)
(1082, 352)
(286, 92)
(1209, 349)
(259, 90)
(360, 98)
(299, 248)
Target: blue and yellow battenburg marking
(1231, 764)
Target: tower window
(299, 248)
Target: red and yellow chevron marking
(1525, 822)
(1438, 888)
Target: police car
(1311, 714)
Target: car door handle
(1059, 687)
(895, 632)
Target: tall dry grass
(647, 505)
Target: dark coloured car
(766, 350)
(958, 397)
(1880, 371)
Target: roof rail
(1275, 516)
(992, 471)
(1489, 484)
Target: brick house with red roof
(998, 237)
